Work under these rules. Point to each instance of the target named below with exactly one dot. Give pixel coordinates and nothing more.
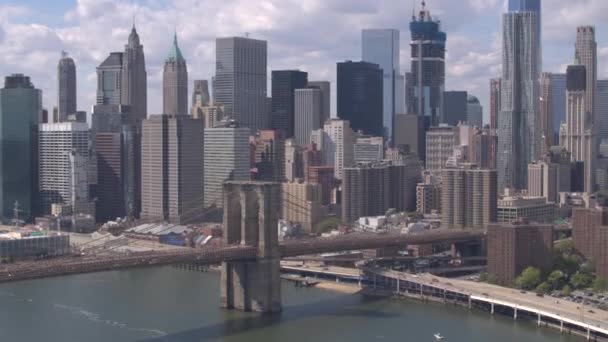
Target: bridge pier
(250, 219)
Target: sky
(310, 35)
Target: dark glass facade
(360, 96)
(284, 84)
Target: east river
(166, 304)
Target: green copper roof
(175, 54)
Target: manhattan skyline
(33, 34)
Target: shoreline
(344, 288)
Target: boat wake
(96, 318)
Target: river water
(166, 304)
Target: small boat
(438, 337)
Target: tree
(564, 247)
(556, 279)
(600, 284)
(566, 290)
(581, 280)
(568, 263)
(327, 225)
(529, 279)
(543, 288)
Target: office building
(586, 54)
(360, 96)
(577, 136)
(368, 149)
(66, 87)
(212, 114)
(323, 175)
(468, 197)
(410, 134)
(20, 115)
(172, 169)
(428, 196)
(474, 112)
(513, 247)
(109, 80)
(226, 157)
(325, 88)
(200, 94)
(64, 156)
(133, 86)
(269, 156)
(308, 113)
(454, 107)
(428, 44)
(175, 82)
(294, 163)
(590, 235)
(544, 180)
(311, 156)
(601, 116)
(440, 144)
(558, 99)
(495, 93)
(302, 204)
(116, 143)
(532, 209)
(546, 113)
(481, 149)
(381, 46)
(284, 85)
(240, 81)
(519, 119)
(337, 145)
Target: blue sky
(311, 35)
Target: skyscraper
(66, 95)
(454, 107)
(20, 115)
(200, 94)
(474, 111)
(134, 77)
(325, 88)
(601, 105)
(284, 84)
(109, 80)
(558, 106)
(586, 54)
(381, 46)
(172, 169)
(428, 66)
(518, 121)
(360, 99)
(308, 111)
(226, 157)
(546, 113)
(337, 145)
(64, 166)
(175, 82)
(240, 81)
(577, 136)
(533, 6)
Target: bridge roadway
(213, 255)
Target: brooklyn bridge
(250, 254)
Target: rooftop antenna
(133, 13)
(64, 54)
(413, 9)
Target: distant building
(64, 157)
(200, 94)
(308, 113)
(468, 197)
(410, 133)
(381, 46)
(226, 157)
(212, 114)
(372, 189)
(427, 67)
(515, 246)
(586, 54)
(532, 209)
(546, 112)
(481, 149)
(558, 103)
(601, 117)
(269, 156)
(283, 112)
(109, 76)
(440, 144)
(337, 145)
(294, 163)
(175, 82)
(325, 88)
(302, 204)
(323, 175)
(360, 96)
(474, 112)
(368, 149)
(578, 136)
(134, 78)
(590, 235)
(428, 195)
(115, 139)
(240, 81)
(454, 107)
(66, 89)
(172, 169)
(20, 115)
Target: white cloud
(308, 34)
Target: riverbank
(344, 288)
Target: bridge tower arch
(251, 212)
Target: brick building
(590, 235)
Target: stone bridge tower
(251, 211)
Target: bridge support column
(561, 326)
(250, 218)
(492, 308)
(515, 313)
